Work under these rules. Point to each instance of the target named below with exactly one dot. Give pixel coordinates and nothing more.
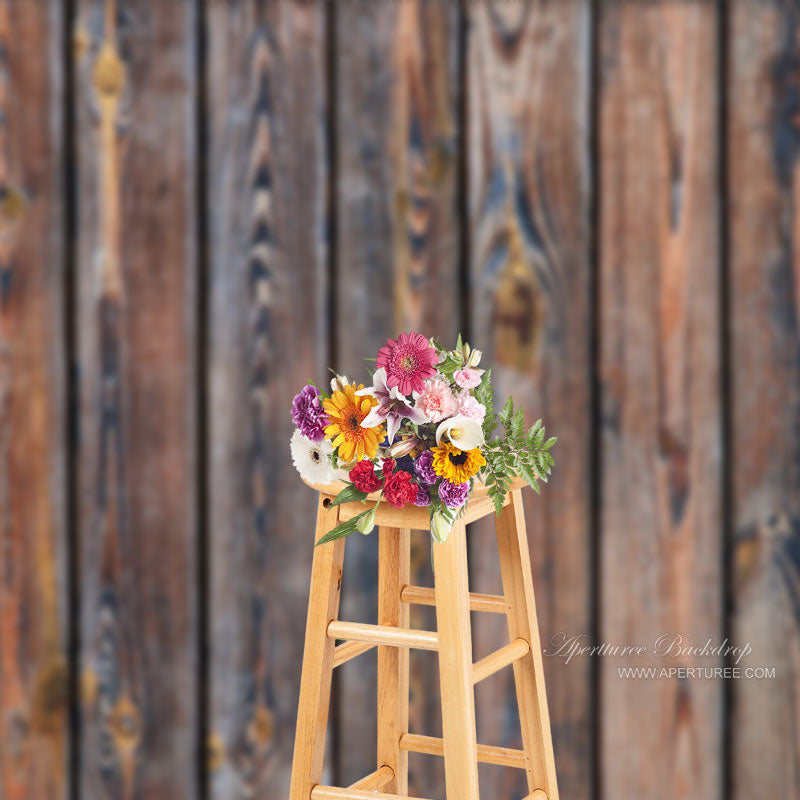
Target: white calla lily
(463, 432)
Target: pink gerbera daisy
(408, 360)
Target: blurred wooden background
(202, 205)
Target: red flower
(399, 490)
(364, 478)
(388, 467)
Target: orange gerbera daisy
(346, 412)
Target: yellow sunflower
(457, 466)
(346, 412)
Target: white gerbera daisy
(312, 459)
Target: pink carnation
(467, 378)
(469, 407)
(437, 400)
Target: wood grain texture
(523, 625)
(451, 578)
(764, 291)
(136, 150)
(487, 754)
(268, 329)
(660, 434)
(397, 236)
(317, 666)
(527, 128)
(33, 546)
(394, 570)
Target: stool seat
(414, 517)
(452, 642)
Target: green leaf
(550, 442)
(528, 474)
(344, 529)
(348, 495)
(518, 423)
(508, 410)
(497, 499)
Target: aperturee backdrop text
(421, 434)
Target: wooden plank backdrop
(660, 418)
(34, 678)
(764, 382)
(268, 324)
(203, 205)
(396, 268)
(136, 325)
(528, 226)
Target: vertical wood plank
(764, 346)
(660, 405)
(397, 236)
(268, 333)
(316, 677)
(528, 176)
(33, 547)
(135, 138)
(394, 546)
(455, 664)
(529, 680)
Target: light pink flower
(469, 407)
(468, 378)
(437, 400)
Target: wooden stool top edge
(414, 517)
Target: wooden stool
(452, 640)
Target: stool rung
(332, 793)
(375, 780)
(344, 652)
(487, 754)
(500, 658)
(383, 634)
(536, 794)
(422, 596)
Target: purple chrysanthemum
(454, 495)
(423, 497)
(308, 414)
(423, 466)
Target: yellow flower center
(457, 465)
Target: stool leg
(455, 666)
(515, 567)
(315, 680)
(394, 572)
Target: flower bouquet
(423, 433)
